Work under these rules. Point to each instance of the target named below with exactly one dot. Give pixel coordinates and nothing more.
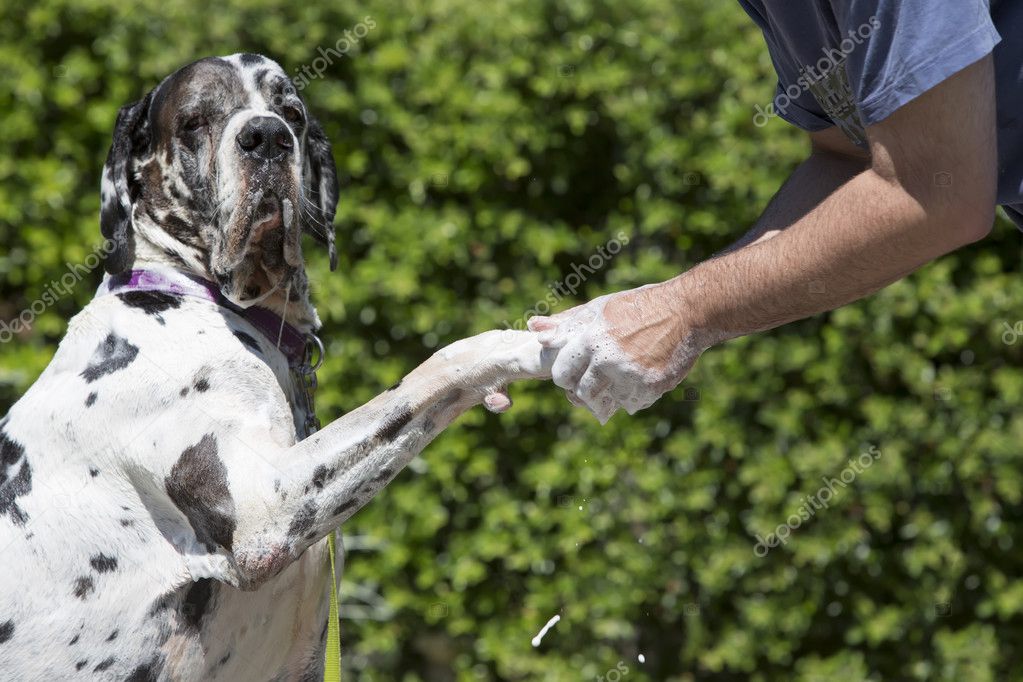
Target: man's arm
(928, 190)
(833, 161)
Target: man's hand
(622, 350)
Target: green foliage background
(485, 148)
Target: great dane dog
(164, 494)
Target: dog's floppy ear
(131, 133)
(321, 189)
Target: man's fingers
(592, 383)
(574, 399)
(603, 407)
(541, 323)
(546, 329)
(569, 366)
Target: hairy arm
(841, 228)
(929, 189)
(833, 161)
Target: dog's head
(218, 171)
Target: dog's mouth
(262, 249)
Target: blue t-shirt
(851, 63)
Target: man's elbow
(960, 217)
(973, 227)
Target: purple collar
(281, 335)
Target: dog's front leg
(329, 476)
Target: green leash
(332, 659)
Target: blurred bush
(485, 149)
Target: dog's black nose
(265, 137)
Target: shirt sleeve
(900, 49)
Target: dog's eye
(292, 114)
(193, 123)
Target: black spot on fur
(6, 631)
(112, 354)
(341, 509)
(84, 586)
(384, 475)
(81, 664)
(151, 302)
(147, 672)
(113, 636)
(103, 665)
(321, 475)
(101, 563)
(394, 423)
(127, 522)
(248, 341)
(160, 604)
(224, 659)
(90, 399)
(201, 380)
(13, 486)
(196, 601)
(395, 385)
(249, 59)
(74, 640)
(198, 486)
(94, 472)
(303, 520)
(183, 392)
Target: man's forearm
(816, 178)
(864, 236)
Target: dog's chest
(133, 590)
(221, 633)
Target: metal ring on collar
(309, 368)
